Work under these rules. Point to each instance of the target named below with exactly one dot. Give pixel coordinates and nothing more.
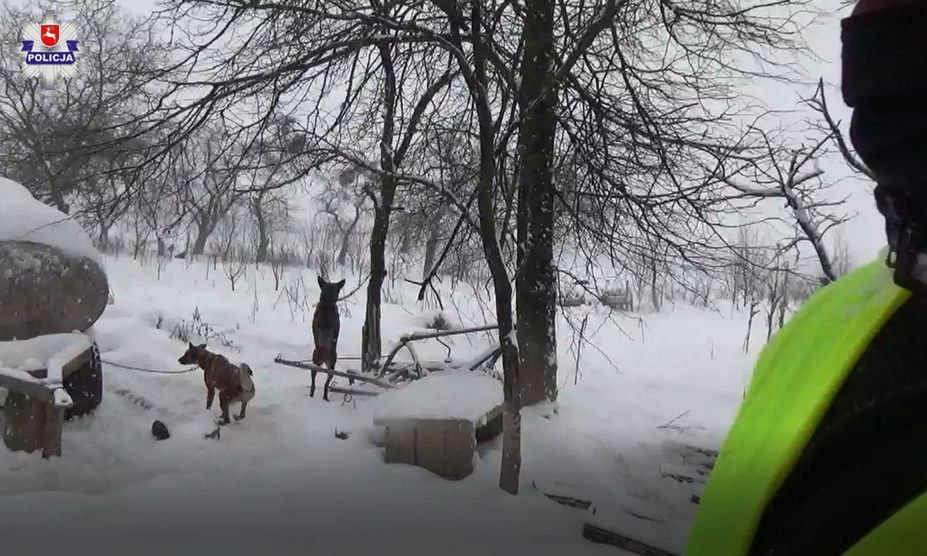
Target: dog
(326, 323)
(234, 383)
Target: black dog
(326, 323)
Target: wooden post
(54, 420)
(25, 423)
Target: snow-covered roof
(23, 218)
(51, 352)
(441, 395)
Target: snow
(618, 518)
(43, 352)
(18, 374)
(23, 218)
(62, 398)
(280, 482)
(78, 345)
(465, 395)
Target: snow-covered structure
(51, 279)
(52, 289)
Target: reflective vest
(797, 375)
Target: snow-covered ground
(281, 479)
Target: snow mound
(23, 218)
(441, 395)
(44, 352)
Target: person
(828, 453)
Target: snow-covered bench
(33, 371)
(435, 422)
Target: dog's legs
(241, 415)
(224, 404)
(312, 388)
(327, 382)
(334, 359)
(210, 395)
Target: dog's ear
(202, 346)
(340, 283)
(191, 344)
(321, 282)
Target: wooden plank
(459, 444)
(411, 422)
(385, 421)
(54, 422)
(443, 447)
(493, 414)
(356, 376)
(569, 501)
(564, 495)
(430, 447)
(635, 531)
(29, 425)
(443, 333)
(35, 390)
(77, 362)
(492, 428)
(400, 445)
(684, 474)
(352, 391)
(599, 535)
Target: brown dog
(234, 383)
(326, 324)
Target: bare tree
(351, 193)
(650, 148)
(63, 144)
(206, 171)
(792, 175)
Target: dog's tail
(247, 383)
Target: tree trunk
(263, 243)
(373, 347)
(58, 199)
(655, 294)
(104, 237)
(511, 417)
(203, 229)
(370, 333)
(536, 285)
(431, 244)
(346, 236)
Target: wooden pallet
(631, 531)
(563, 494)
(604, 536)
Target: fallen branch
(311, 367)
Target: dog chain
(141, 369)
(347, 397)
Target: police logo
(50, 49)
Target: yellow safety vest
(797, 375)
